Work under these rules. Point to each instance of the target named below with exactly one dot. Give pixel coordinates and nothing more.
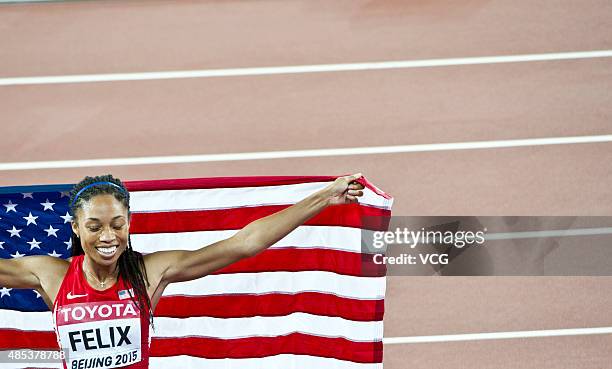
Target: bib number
(100, 341)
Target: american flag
(306, 302)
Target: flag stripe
(350, 215)
(227, 198)
(234, 306)
(264, 326)
(277, 361)
(307, 237)
(214, 348)
(232, 182)
(295, 343)
(232, 328)
(221, 182)
(296, 260)
(286, 361)
(17, 338)
(365, 288)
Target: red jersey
(99, 329)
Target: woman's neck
(103, 274)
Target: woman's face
(102, 225)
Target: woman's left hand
(345, 190)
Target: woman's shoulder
(41, 263)
(50, 265)
(50, 272)
(48, 269)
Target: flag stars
(37, 294)
(55, 254)
(27, 195)
(5, 292)
(1, 245)
(17, 255)
(10, 206)
(64, 194)
(14, 232)
(47, 205)
(67, 218)
(31, 219)
(51, 231)
(34, 244)
(68, 244)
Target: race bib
(100, 335)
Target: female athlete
(103, 297)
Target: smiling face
(102, 224)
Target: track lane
(352, 109)
(144, 35)
(424, 306)
(584, 352)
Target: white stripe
(284, 361)
(304, 237)
(363, 288)
(317, 68)
(227, 198)
(498, 335)
(258, 326)
(26, 321)
(315, 153)
(30, 365)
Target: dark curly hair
(131, 263)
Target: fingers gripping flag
(305, 302)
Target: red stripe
(273, 304)
(295, 343)
(16, 339)
(216, 348)
(222, 182)
(349, 215)
(300, 260)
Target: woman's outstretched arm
(20, 273)
(177, 266)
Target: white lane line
(497, 335)
(543, 234)
(317, 68)
(182, 159)
(549, 233)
